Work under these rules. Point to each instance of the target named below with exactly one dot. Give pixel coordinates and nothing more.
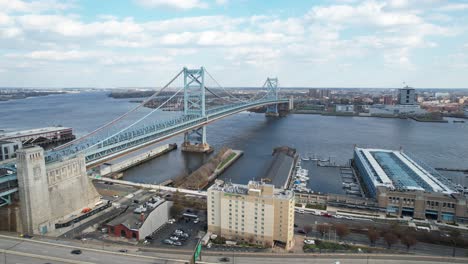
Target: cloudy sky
(143, 43)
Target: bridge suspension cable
(120, 117)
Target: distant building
(8, 149)
(344, 108)
(388, 100)
(41, 136)
(407, 96)
(395, 110)
(465, 110)
(313, 93)
(142, 221)
(257, 213)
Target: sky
(144, 43)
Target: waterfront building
(8, 149)
(256, 213)
(40, 136)
(344, 108)
(407, 187)
(407, 96)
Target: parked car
(171, 221)
(76, 252)
(123, 250)
(168, 241)
(300, 231)
(224, 259)
(196, 221)
(309, 242)
(148, 238)
(178, 231)
(177, 243)
(174, 238)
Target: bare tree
(342, 230)
(390, 238)
(408, 240)
(307, 229)
(455, 239)
(322, 229)
(373, 236)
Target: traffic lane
(15, 259)
(87, 255)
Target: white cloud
(177, 4)
(454, 7)
(33, 6)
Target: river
(438, 144)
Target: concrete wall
(131, 161)
(157, 218)
(49, 193)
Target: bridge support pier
(195, 141)
(272, 110)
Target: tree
(373, 236)
(322, 229)
(454, 238)
(176, 209)
(390, 238)
(408, 240)
(342, 230)
(307, 229)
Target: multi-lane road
(37, 250)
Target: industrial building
(142, 221)
(406, 187)
(256, 213)
(43, 137)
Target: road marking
(12, 252)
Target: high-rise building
(256, 213)
(407, 96)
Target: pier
(124, 163)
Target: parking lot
(167, 231)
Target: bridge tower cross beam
(195, 105)
(271, 84)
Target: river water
(438, 144)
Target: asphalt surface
(39, 250)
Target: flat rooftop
(241, 189)
(396, 170)
(31, 131)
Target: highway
(26, 251)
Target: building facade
(407, 96)
(256, 213)
(8, 149)
(50, 193)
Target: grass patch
(226, 160)
(316, 206)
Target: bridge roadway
(101, 150)
(48, 250)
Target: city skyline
(342, 43)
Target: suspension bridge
(186, 104)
